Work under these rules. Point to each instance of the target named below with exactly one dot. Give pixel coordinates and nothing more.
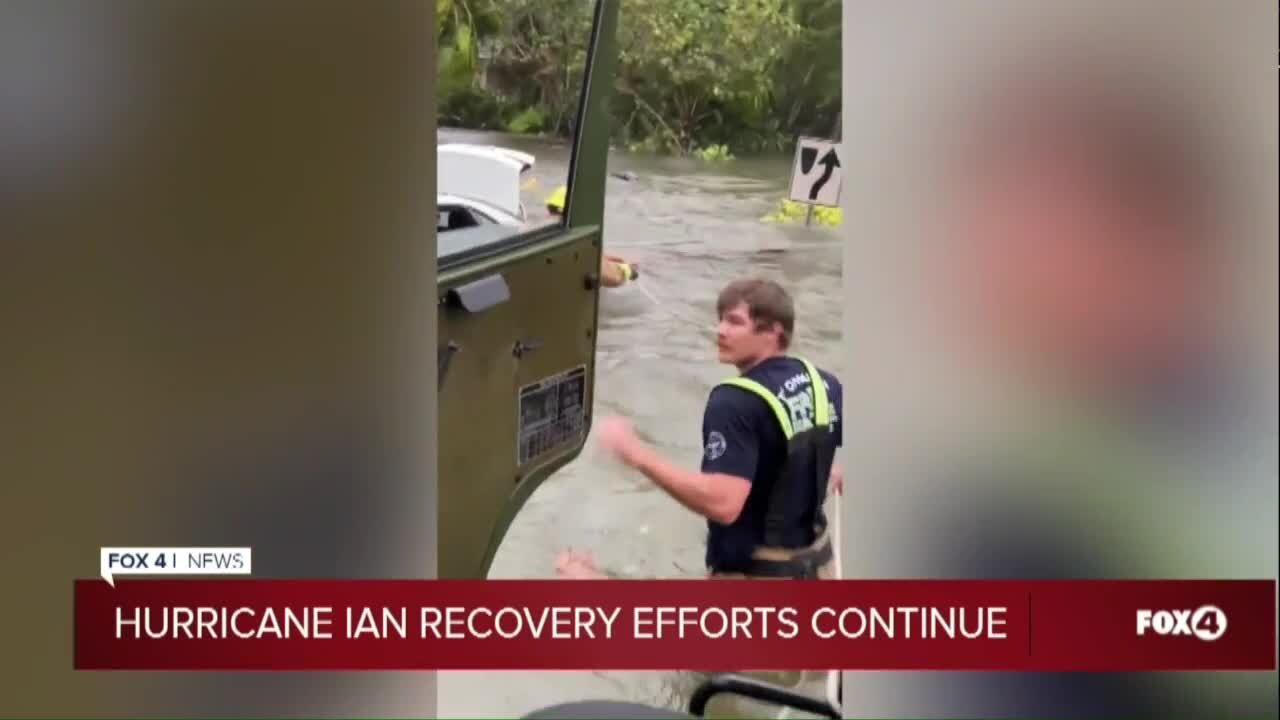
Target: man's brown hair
(767, 303)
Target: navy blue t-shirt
(741, 436)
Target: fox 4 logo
(1205, 622)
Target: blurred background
(1061, 318)
(214, 238)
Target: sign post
(816, 176)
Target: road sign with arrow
(815, 179)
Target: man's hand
(619, 259)
(616, 435)
(614, 273)
(577, 566)
(635, 266)
(835, 486)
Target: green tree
(692, 72)
(808, 75)
(461, 27)
(692, 75)
(538, 60)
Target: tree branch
(653, 113)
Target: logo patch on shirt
(716, 445)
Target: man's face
(739, 341)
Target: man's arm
(835, 395)
(716, 496)
(719, 490)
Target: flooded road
(692, 227)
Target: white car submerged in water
(478, 190)
(478, 185)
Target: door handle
(480, 295)
(442, 361)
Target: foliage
(714, 153)
(790, 211)
(530, 120)
(691, 70)
(538, 59)
(459, 23)
(808, 76)
(705, 77)
(471, 107)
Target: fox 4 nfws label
(174, 561)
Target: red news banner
(718, 625)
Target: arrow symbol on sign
(829, 162)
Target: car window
(456, 218)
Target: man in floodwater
(769, 440)
(769, 436)
(614, 271)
